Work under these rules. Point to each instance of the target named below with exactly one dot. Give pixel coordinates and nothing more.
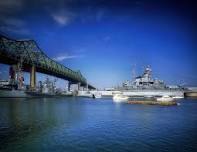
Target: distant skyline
(105, 38)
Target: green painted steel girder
(29, 53)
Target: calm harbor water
(82, 124)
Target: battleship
(46, 88)
(145, 86)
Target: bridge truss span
(29, 53)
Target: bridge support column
(12, 74)
(82, 88)
(87, 87)
(79, 85)
(33, 77)
(69, 85)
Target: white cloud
(65, 57)
(63, 18)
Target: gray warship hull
(153, 93)
(142, 93)
(13, 94)
(40, 94)
(27, 94)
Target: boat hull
(165, 99)
(45, 95)
(13, 94)
(142, 93)
(120, 98)
(153, 93)
(27, 94)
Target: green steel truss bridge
(32, 57)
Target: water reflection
(84, 124)
(22, 117)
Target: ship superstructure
(144, 81)
(147, 86)
(47, 87)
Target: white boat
(178, 97)
(67, 93)
(120, 98)
(84, 94)
(165, 98)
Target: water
(81, 124)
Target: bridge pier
(79, 85)
(12, 74)
(87, 87)
(69, 85)
(33, 77)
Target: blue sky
(104, 39)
